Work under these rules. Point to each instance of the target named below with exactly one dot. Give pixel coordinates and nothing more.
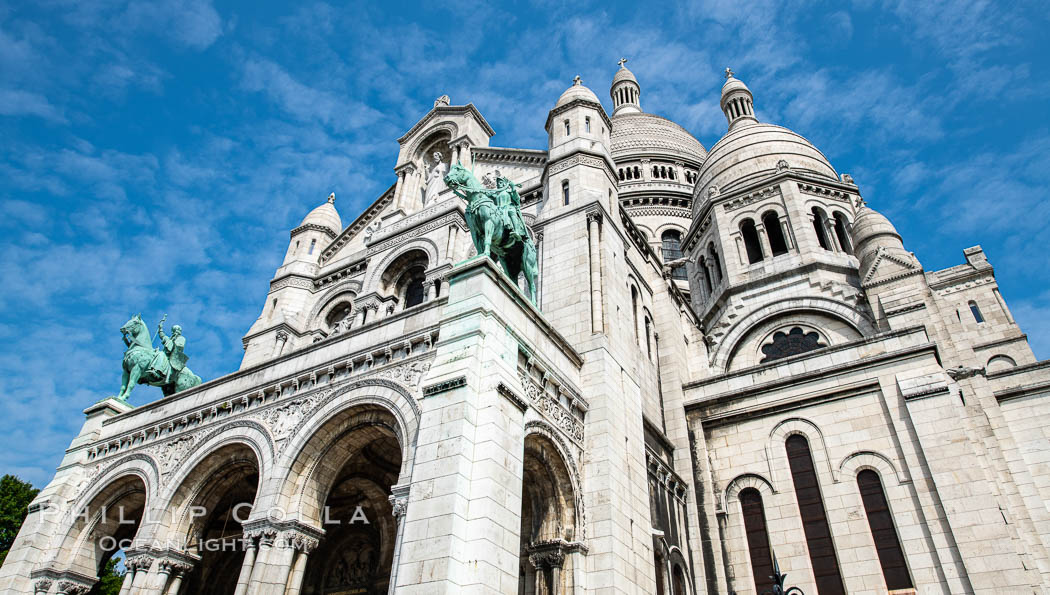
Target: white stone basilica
(735, 364)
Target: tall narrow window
(707, 275)
(672, 250)
(717, 262)
(312, 244)
(587, 123)
(565, 192)
(568, 129)
(757, 539)
(841, 225)
(775, 233)
(814, 519)
(634, 311)
(891, 556)
(818, 227)
(648, 337)
(976, 311)
(751, 241)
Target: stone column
(304, 545)
(399, 502)
(593, 230)
(763, 241)
(556, 560)
(262, 558)
(247, 565)
(179, 569)
(539, 267)
(129, 576)
(398, 186)
(142, 565)
(450, 250)
(430, 289)
(281, 340)
(43, 585)
(160, 580)
(541, 577)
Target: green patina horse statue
(496, 226)
(143, 364)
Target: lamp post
(778, 582)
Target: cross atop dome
(622, 62)
(331, 198)
(576, 80)
(729, 72)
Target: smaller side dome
(326, 216)
(871, 231)
(872, 227)
(577, 91)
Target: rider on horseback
(509, 203)
(174, 348)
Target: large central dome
(641, 134)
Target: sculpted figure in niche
(435, 179)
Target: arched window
(663, 172)
(634, 311)
(891, 556)
(339, 314)
(621, 174)
(976, 311)
(312, 244)
(841, 225)
(587, 123)
(672, 250)
(717, 262)
(751, 242)
(814, 519)
(568, 129)
(818, 227)
(656, 172)
(414, 291)
(707, 275)
(637, 173)
(775, 233)
(649, 337)
(670, 173)
(678, 578)
(565, 192)
(757, 539)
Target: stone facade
(734, 361)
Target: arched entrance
(106, 526)
(548, 520)
(351, 464)
(215, 499)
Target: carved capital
(43, 585)
(73, 588)
(282, 335)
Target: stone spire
(625, 91)
(737, 102)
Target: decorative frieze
(443, 387)
(825, 192)
(750, 198)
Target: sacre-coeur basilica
(628, 363)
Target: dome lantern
(737, 102)
(625, 91)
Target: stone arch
(427, 138)
(103, 522)
(726, 348)
(137, 463)
(350, 288)
(343, 460)
(424, 244)
(807, 429)
(290, 480)
(999, 362)
(744, 481)
(867, 459)
(542, 428)
(551, 521)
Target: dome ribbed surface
(623, 74)
(325, 216)
(646, 134)
(576, 92)
(870, 223)
(752, 151)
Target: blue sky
(155, 154)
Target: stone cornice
(313, 227)
(581, 157)
(528, 157)
(561, 109)
(450, 110)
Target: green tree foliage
(110, 579)
(15, 496)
